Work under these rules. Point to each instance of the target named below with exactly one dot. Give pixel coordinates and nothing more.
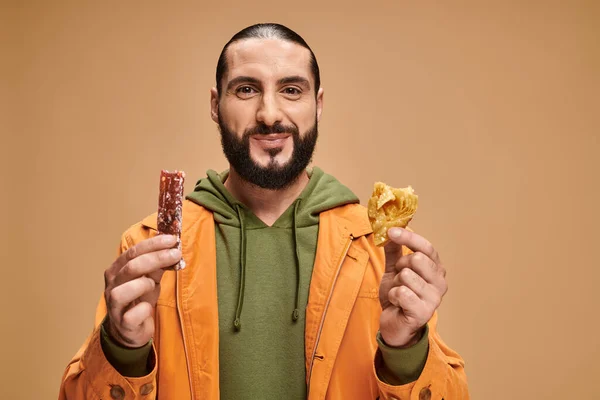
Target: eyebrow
(241, 79)
(297, 79)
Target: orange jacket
(342, 320)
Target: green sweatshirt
(263, 278)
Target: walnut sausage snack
(170, 207)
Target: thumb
(393, 250)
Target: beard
(274, 176)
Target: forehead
(267, 58)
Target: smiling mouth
(271, 136)
(271, 142)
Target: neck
(268, 205)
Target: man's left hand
(411, 288)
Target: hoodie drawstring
(296, 313)
(237, 322)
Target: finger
(409, 278)
(159, 242)
(146, 264)
(121, 296)
(148, 326)
(156, 275)
(423, 266)
(393, 252)
(403, 297)
(135, 316)
(416, 243)
(150, 297)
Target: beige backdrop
(489, 110)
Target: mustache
(263, 129)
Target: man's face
(268, 111)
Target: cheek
(303, 115)
(238, 115)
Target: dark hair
(267, 31)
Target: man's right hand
(132, 287)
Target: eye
(292, 92)
(245, 91)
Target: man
(285, 295)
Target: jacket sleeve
(443, 376)
(90, 375)
(402, 366)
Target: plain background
(488, 109)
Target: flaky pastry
(388, 208)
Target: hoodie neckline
(321, 193)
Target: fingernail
(395, 233)
(168, 239)
(175, 253)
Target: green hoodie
(263, 278)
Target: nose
(269, 112)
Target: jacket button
(146, 389)
(425, 394)
(117, 392)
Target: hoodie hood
(323, 192)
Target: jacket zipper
(337, 274)
(185, 347)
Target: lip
(268, 142)
(271, 137)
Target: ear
(214, 105)
(319, 103)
